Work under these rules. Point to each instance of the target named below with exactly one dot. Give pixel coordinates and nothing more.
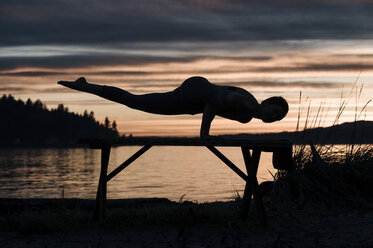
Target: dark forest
(31, 123)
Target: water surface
(171, 172)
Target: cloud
(55, 65)
(282, 84)
(13, 89)
(33, 73)
(88, 60)
(315, 67)
(112, 21)
(75, 61)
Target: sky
(310, 52)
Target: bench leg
(101, 190)
(259, 204)
(252, 187)
(248, 192)
(245, 202)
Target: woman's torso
(197, 91)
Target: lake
(193, 173)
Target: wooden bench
(251, 150)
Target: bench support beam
(252, 187)
(227, 162)
(128, 162)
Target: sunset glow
(262, 47)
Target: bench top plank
(264, 145)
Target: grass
(324, 176)
(45, 221)
(60, 218)
(328, 174)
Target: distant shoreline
(360, 132)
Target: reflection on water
(168, 172)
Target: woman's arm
(207, 117)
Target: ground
(290, 227)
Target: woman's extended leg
(82, 85)
(110, 93)
(168, 103)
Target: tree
(62, 108)
(29, 103)
(38, 104)
(11, 98)
(107, 122)
(114, 126)
(92, 115)
(85, 115)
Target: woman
(195, 95)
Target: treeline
(33, 124)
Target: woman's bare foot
(79, 84)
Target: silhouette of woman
(195, 95)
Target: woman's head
(274, 109)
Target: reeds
(328, 174)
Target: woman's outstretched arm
(207, 117)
